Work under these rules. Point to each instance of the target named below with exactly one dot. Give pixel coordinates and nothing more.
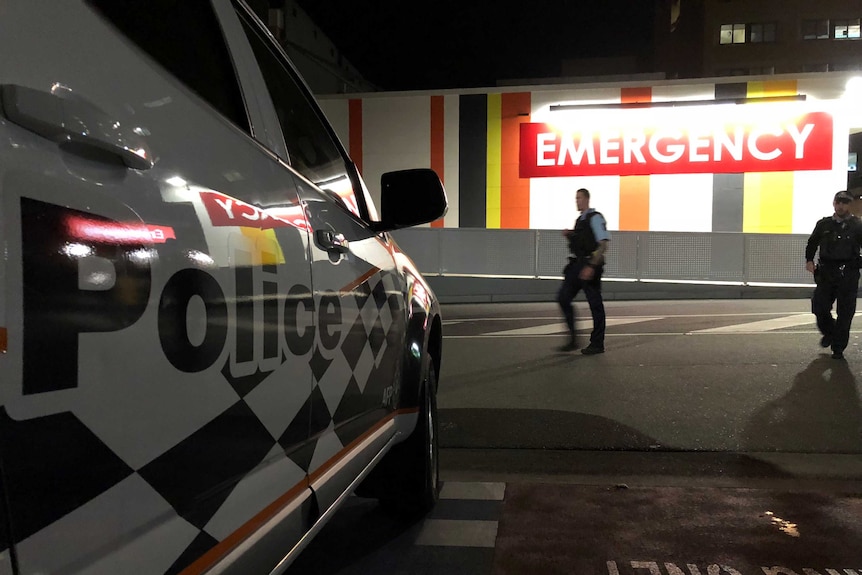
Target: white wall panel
(813, 190)
(685, 92)
(680, 203)
(451, 163)
(552, 200)
(812, 198)
(338, 114)
(396, 135)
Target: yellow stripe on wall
(767, 206)
(772, 88)
(495, 163)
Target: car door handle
(332, 241)
(63, 116)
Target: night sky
(434, 44)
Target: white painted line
(559, 327)
(665, 315)
(648, 334)
(457, 533)
(475, 490)
(764, 325)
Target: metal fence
(737, 258)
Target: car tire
(407, 480)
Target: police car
(208, 338)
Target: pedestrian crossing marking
(457, 533)
(763, 325)
(477, 491)
(560, 327)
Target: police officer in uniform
(839, 239)
(587, 244)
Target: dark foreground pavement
(713, 438)
(621, 530)
(579, 512)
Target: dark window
(815, 29)
(762, 70)
(844, 67)
(761, 32)
(815, 67)
(185, 38)
(310, 147)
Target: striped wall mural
(472, 141)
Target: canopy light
(678, 103)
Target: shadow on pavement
(821, 413)
(535, 429)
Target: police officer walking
(587, 244)
(839, 239)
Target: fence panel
(673, 256)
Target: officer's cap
(843, 196)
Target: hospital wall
(471, 139)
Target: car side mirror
(409, 198)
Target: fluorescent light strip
(677, 103)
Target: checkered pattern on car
(100, 512)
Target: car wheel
(407, 480)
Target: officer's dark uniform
(836, 275)
(582, 243)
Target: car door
(358, 291)
(156, 302)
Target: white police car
(208, 338)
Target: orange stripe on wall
(634, 190)
(634, 204)
(355, 140)
(514, 191)
(437, 147)
(634, 95)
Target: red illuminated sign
(800, 142)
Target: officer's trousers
(572, 284)
(835, 285)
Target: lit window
(732, 34)
(815, 29)
(846, 29)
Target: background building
(706, 38)
(318, 59)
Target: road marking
(665, 315)
(457, 533)
(559, 327)
(762, 326)
(647, 334)
(474, 490)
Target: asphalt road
(739, 375)
(712, 436)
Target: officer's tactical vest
(582, 240)
(837, 243)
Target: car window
(185, 38)
(312, 150)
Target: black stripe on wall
(733, 90)
(727, 202)
(727, 189)
(472, 160)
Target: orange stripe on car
(226, 545)
(360, 280)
